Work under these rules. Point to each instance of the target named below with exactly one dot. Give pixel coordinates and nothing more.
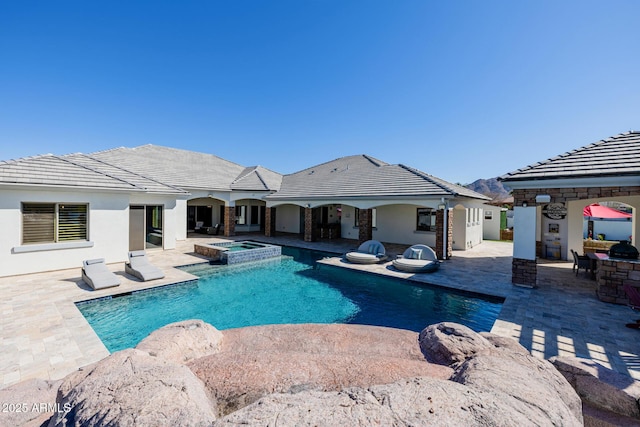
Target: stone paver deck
(43, 335)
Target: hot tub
(238, 252)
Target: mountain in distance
(491, 188)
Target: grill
(623, 250)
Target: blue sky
(459, 89)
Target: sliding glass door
(145, 227)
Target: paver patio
(43, 335)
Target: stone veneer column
(441, 229)
(229, 221)
(524, 272)
(309, 225)
(270, 222)
(365, 226)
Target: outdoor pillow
(415, 253)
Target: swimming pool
(289, 289)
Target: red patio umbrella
(597, 211)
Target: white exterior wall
(108, 228)
(397, 224)
(491, 227)
(467, 227)
(524, 236)
(171, 221)
(394, 224)
(348, 230)
(288, 218)
(613, 229)
(108, 220)
(181, 220)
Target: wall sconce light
(524, 204)
(543, 198)
(442, 206)
(308, 205)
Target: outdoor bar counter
(612, 274)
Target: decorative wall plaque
(555, 211)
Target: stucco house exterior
(549, 198)
(59, 210)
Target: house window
(374, 219)
(241, 215)
(488, 215)
(426, 219)
(53, 222)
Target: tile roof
(180, 168)
(74, 171)
(615, 156)
(365, 176)
(257, 178)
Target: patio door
(136, 228)
(146, 226)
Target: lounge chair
(370, 252)
(140, 267)
(580, 261)
(96, 274)
(199, 227)
(417, 259)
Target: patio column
(229, 221)
(309, 225)
(270, 222)
(365, 225)
(444, 228)
(524, 270)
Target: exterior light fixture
(524, 204)
(543, 198)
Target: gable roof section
(74, 171)
(364, 176)
(179, 168)
(615, 156)
(148, 184)
(257, 178)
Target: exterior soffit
(613, 181)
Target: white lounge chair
(140, 267)
(417, 259)
(96, 274)
(370, 252)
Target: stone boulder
(183, 341)
(601, 387)
(449, 343)
(314, 338)
(410, 402)
(36, 400)
(257, 361)
(500, 365)
(131, 388)
(238, 379)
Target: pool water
(288, 289)
(244, 246)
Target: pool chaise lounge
(370, 252)
(96, 274)
(140, 267)
(417, 259)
